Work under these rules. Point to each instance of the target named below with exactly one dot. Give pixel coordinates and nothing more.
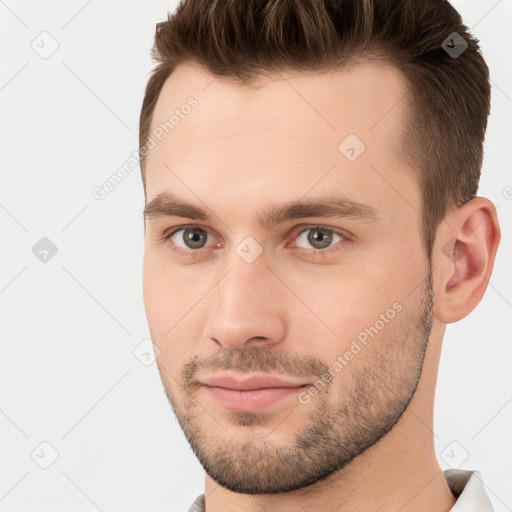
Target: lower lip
(250, 400)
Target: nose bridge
(248, 303)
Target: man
(311, 226)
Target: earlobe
(464, 254)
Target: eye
(319, 238)
(190, 238)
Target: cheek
(165, 292)
(344, 295)
(169, 299)
(154, 291)
(345, 302)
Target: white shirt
(466, 485)
(469, 488)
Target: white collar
(469, 489)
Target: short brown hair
(449, 95)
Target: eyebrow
(167, 204)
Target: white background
(69, 326)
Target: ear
(463, 258)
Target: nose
(249, 307)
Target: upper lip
(253, 382)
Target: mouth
(256, 392)
(250, 399)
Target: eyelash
(309, 252)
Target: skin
(365, 441)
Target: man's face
(339, 304)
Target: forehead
(357, 98)
(287, 129)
